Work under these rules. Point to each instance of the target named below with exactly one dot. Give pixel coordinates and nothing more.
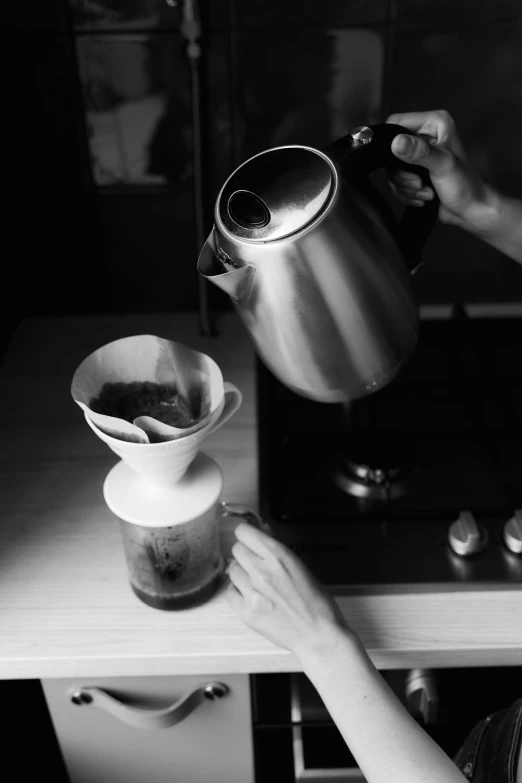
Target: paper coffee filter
(148, 358)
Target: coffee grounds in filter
(161, 401)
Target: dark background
(89, 229)
(98, 172)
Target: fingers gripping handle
(416, 223)
(245, 513)
(364, 153)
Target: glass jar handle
(243, 512)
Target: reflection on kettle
(317, 266)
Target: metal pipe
(191, 31)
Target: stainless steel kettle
(318, 267)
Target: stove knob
(466, 537)
(422, 697)
(513, 533)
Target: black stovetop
(454, 414)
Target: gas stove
(418, 483)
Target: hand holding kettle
(465, 200)
(318, 267)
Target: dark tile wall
(50, 224)
(296, 15)
(119, 15)
(429, 14)
(474, 71)
(284, 84)
(281, 72)
(136, 92)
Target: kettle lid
(275, 193)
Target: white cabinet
(101, 742)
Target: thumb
(412, 149)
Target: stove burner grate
(375, 483)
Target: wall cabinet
(116, 730)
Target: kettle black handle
(362, 158)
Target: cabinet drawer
(116, 730)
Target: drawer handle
(148, 719)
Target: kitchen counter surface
(66, 608)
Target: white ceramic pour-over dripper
(163, 464)
(148, 358)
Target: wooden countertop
(66, 609)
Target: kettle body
(317, 267)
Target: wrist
(484, 218)
(336, 639)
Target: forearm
(387, 743)
(499, 223)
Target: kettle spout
(236, 281)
